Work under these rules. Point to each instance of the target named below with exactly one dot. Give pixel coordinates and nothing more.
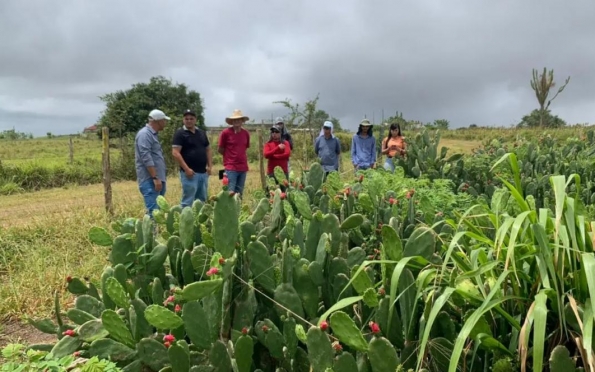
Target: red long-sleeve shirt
(275, 156)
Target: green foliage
(383, 271)
(127, 111)
(537, 119)
(18, 357)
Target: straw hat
(237, 114)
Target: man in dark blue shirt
(149, 160)
(193, 154)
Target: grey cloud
(466, 61)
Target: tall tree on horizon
(541, 84)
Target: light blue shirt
(148, 153)
(363, 151)
(328, 151)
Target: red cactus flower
(381, 291)
(178, 308)
(283, 195)
(225, 181)
(69, 332)
(265, 329)
(374, 327)
(168, 300)
(301, 187)
(213, 271)
(244, 331)
(169, 338)
(76, 354)
(324, 325)
(337, 346)
(285, 183)
(221, 261)
(167, 344)
(68, 279)
(392, 201)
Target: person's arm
(222, 143)
(384, 148)
(248, 134)
(374, 152)
(144, 152)
(269, 149)
(209, 153)
(176, 151)
(353, 152)
(338, 146)
(317, 145)
(285, 154)
(290, 140)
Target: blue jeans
(147, 190)
(389, 165)
(194, 188)
(236, 181)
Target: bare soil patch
(18, 332)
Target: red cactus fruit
(374, 327)
(324, 325)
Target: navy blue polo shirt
(194, 148)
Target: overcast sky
(467, 61)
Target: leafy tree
(441, 124)
(536, 119)
(542, 84)
(127, 111)
(308, 117)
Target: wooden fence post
(107, 176)
(263, 180)
(71, 148)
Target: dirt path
(17, 332)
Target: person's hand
(189, 173)
(282, 146)
(374, 166)
(158, 184)
(209, 171)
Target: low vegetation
(471, 262)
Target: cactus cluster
(219, 290)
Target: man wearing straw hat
(234, 143)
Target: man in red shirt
(233, 145)
(277, 152)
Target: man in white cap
(328, 149)
(149, 160)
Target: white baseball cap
(158, 115)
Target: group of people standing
(191, 149)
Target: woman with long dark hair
(392, 146)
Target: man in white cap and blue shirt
(149, 160)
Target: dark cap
(189, 112)
(275, 128)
